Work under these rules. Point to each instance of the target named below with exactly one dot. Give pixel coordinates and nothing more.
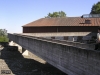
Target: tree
(95, 8)
(56, 14)
(3, 32)
(3, 35)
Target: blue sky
(16, 13)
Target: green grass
(4, 39)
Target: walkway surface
(13, 63)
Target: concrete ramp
(69, 59)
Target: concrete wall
(71, 36)
(26, 52)
(69, 59)
(61, 34)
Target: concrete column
(25, 52)
(20, 49)
(11, 43)
(73, 39)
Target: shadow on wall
(89, 38)
(4, 44)
(20, 65)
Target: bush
(4, 39)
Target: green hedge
(4, 39)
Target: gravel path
(14, 62)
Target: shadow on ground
(26, 66)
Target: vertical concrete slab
(15, 44)
(25, 52)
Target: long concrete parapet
(66, 42)
(70, 59)
(60, 34)
(75, 44)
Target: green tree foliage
(3, 32)
(4, 39)
(56, 14)
(3, 36)
(95, 8)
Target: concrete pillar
(73, 39)
(25, 52)
(20, 49)
(11, 43)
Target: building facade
(85, 23)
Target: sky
(16, 13)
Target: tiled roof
(69, 21)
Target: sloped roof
(68, 21)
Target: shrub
(4, 39)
